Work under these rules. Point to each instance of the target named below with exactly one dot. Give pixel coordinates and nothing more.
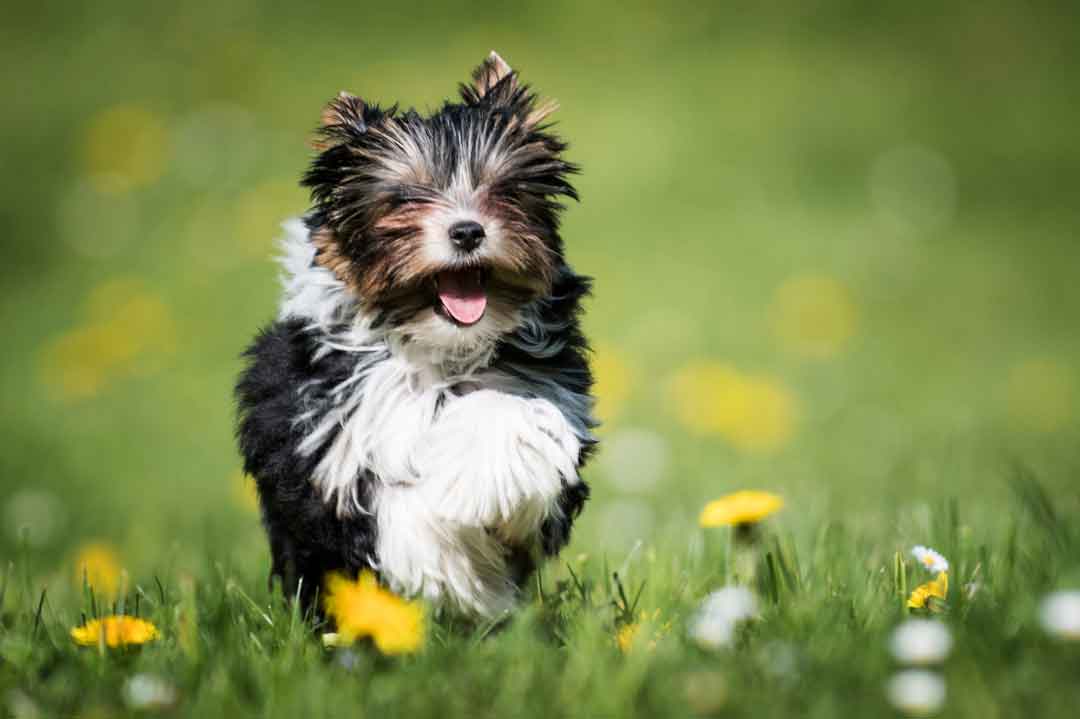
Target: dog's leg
(555, 531)
(423, 554)
(307, 538)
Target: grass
(913, 166)
(818, 648)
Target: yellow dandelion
(613, 381)
(362, 608)
(753, 413)
(624, 638)
(99, 564)
(115, 631)
(127, 147)
(741, 508)
(627, 634)
(926, 596)
(1041, 395)
(813, 316)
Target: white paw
(419, 555)
(495, 460)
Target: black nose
(466, 235)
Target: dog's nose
(466, 235)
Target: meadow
(836, 257)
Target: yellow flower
(745, 507)
(753, 413)
(625, 636)
(924, 595)
(627, 633)
(259, 211)
(116, 631)
(362, 608)
(99, 565)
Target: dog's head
(443, 226)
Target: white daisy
(921, 641)
(930, 559)
(916, 692)
(714, 624)
(1060, 614)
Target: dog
(421, 406)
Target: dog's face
(443, 226)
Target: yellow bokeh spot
(104, 298)
(754, 413)
(259, 213)
(1041, 394)
(128, 330)
(813, 316)
(613, 379)
(244, 493)
(98, 565)
(126, 147)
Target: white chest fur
(457, 479)
(459, 468)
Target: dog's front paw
(497, 461)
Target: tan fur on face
(390, 191)
(522, 250)
(401, 263)
(328, 255)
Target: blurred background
(835, 246)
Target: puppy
(421, 407)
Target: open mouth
(462, 294)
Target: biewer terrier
(421, 407)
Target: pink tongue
(462, 296)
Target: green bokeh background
(924, 156)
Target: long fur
(380, 434)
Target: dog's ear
(493, 79)
(345, 118)
(495, 83)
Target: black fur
(568, 367)
(307, 539)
